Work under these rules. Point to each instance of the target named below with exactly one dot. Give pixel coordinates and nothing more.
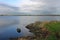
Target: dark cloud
(33, 7)
(5, 9)
(50, 7)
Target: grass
(53, 27)
(43, 29)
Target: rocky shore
(47, 30)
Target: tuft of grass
(54, 27)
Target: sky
(10, 2)
(30, 6)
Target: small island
(46, 30)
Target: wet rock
(37, 29)
(18, 30)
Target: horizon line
(29, 15)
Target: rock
(43, 31)
(18, 30)
(37, 29)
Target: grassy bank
(47, 30)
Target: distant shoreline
(29, 15)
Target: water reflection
(9, 24)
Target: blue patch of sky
(10, 2)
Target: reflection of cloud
(5, 23)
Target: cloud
(6, 9)
(32, 7)
(28, 5)
(40, 6)
(10, 10)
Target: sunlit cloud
(32, 7)
(29, 6)
(40, 6)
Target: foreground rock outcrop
(47, 30)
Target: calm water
(9, 24)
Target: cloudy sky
(30, 6)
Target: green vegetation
(45, 30)
(54, 28)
